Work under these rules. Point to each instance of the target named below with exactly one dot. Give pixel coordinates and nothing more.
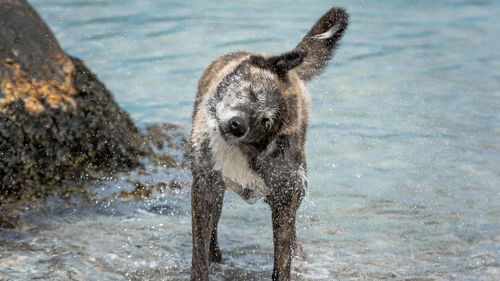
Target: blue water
(403, 147)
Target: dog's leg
(283, 214)
(215, 253)
(206, 200)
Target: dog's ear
(280, 64)
(287, 61)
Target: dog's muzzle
(235, 126)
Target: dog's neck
(235, 166)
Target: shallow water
(403, 149)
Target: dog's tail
(320, 42)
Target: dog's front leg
(215, 253)
(283, 216)
(206, 201)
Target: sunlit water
(403, 147)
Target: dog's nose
(237, 126)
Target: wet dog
(248, 134)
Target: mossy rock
(58, 123)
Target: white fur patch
(329, 33)
(225, 113)
(233, 165)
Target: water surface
(403, 147)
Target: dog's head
(248, 106)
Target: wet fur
(269, 160)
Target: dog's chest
(235, 169)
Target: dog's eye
(266, 122)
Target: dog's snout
(236, 123)
(237, 126)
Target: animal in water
(248, 134)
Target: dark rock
(58, 123)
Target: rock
(58, 123)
